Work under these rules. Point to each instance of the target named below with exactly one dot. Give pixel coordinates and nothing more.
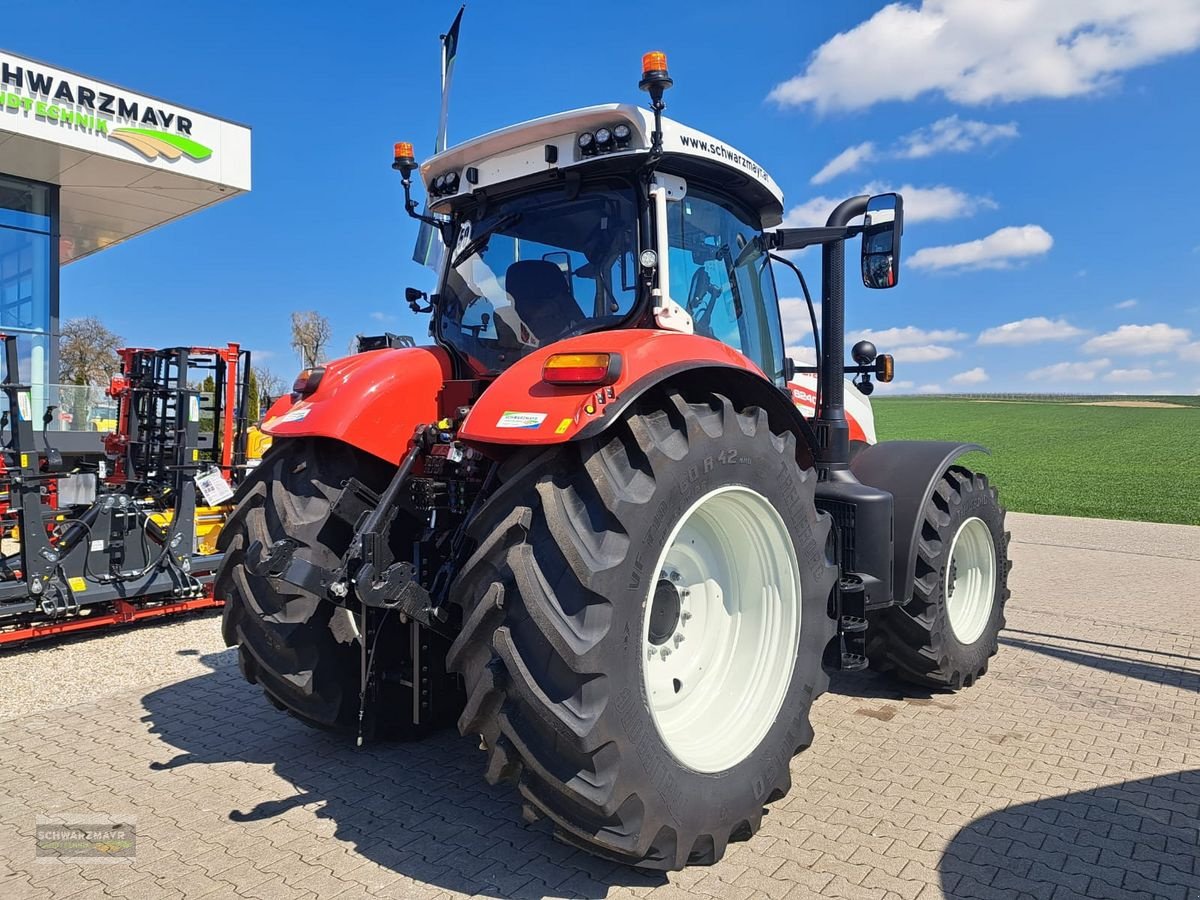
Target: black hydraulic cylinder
(833, 454)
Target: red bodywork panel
(372, 401)
(375, 400)
(805, 399)
(520, 408)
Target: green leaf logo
(153, 144)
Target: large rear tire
(301, 649)
(646, 614)
(947, 632)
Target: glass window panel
(24, 280)
(24, 205)
(720, 275)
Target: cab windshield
(537, 268)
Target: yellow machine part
(209, 522)
(257, 443)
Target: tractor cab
(557, 227)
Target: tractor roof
(525, 149)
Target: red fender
(372, 401)
(520, 408)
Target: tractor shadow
(1132, 839)
(1172, 669)
(869, 685)
(419, 809)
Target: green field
(1062, 458)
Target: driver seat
(542, 298)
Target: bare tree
(310, 335)
(269, 385)
(87, 351)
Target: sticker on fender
(295, 414)
(521, 420)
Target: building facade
(84, 166)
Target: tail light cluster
(582, 368)
(308, 381)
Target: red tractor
(604, 523)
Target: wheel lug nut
(678, 638)
(685, 615)
(664, 652)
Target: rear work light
(582, 368)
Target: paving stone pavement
(1071, 770)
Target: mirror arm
(833, 434)
(410, 205)
(799, 238)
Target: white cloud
(953, 135)
(1125, 304)
(929, 389)
(1140, 340)
(1190, 352)
(803, 356)
(1030, 331)
(933, 204)
(974, 53)
(812, 212)
(846, 161)
(972, 376)
(1070, 371)
(924, 353)
(948, 135)
(794, 313)
(907, 336)
(382, 317)
(1123, 375)
(996, 251)
(921, 204)
(892, 387)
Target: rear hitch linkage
(359, 576)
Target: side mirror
(881, 241)
(414, 298)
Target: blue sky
(1049, 148)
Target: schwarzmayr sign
(74, 104)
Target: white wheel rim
(731, 646)
(971, 580)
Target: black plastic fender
(909, 470)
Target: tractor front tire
(645, 618)
(949, 629)
(301, 649)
